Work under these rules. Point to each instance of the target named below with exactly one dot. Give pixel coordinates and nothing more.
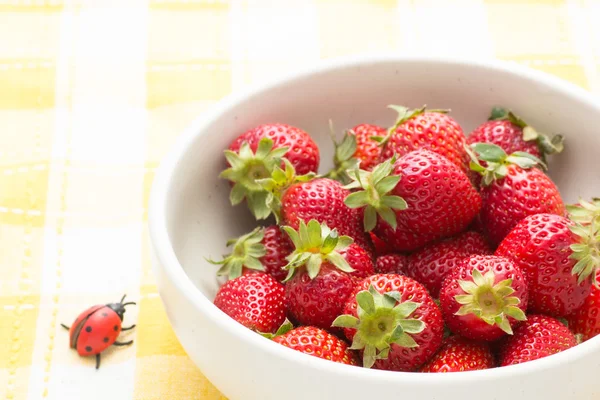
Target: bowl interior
(199, 216)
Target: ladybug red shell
(97, 328)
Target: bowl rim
(167, 260)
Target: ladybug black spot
(88, 329)
(88, 349)
(116, 328)
(105, 340)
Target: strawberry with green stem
(415, 200)
(512, 189)
(559, 258)
(393, 321)
(484, 297)
(263, 249)
(246, 168)
(322, 272)
(253, 155)
(513, 134)
(293, 199)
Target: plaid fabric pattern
(93, 93)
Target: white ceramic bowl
(190, 219)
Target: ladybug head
(119, 307)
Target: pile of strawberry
(422, 250)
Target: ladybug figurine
(97, 328)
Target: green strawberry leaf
(314, 244)
(247, 251)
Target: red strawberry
(483, 297)
(357, 147)
(391, 264)
(432, 130)
(394, 322)
(253, 155)
(512, 190)
(512, 134)
(323, 270)
(302, 151)
(263, 249)
(254, 300)
(540, 336)
(458, 354)
(585, 321)
(430, 265)
(415, 200)
(323, 200)
(319, 343)
(367, 149)
(547, 248)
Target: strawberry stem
(247, 251)
(584, 212)
(496, 161)
(546, 144)
(344, 159)
(381, 321)
(586, 251)
(375, 197)
(314, 244)
(489, 302)
(246, 169)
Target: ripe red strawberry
(585, 321)
(323, 270)
(430, 265)
(433, 130)
(512, 190)
(483, 297)
(391, 264)
(415, 200)
(319, 343)
(393, 321)
(540, 336)
(254, 300)
(458, 354)
(263, 249)
(358, 146)
(367, 149)
(547, 248)
(302, 151)
(254, 154)
(323, 200)
(512, 134)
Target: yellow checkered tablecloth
(93, 93)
